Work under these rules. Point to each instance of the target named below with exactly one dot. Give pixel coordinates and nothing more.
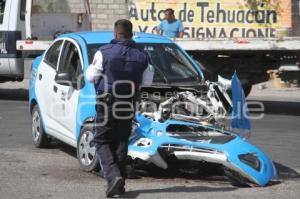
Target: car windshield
(2, 8)
(169, 63)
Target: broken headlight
(250, 160)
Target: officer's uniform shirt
(94, 71)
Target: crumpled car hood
(196, 130)
(151, 137)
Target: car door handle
(40, 76)
(63, 96)
(55, 89)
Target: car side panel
(50, 109)
(86, 106)
(87, 96)
(43, 89)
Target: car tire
(86, 154)
(40, 138)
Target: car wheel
(40, 138)
(85, 153)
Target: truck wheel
(86, 154)
(207, 70)
(40, 138)
(247, 89)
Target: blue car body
(226, 154)
(235, 154)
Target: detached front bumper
(249, 162)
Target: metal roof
(106, 37)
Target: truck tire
(247, 89)
(40, 138)
(86, 154)
(206, 70)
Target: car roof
(106, 37)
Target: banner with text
(216, 18)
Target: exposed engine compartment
(198, 134)
(209, 103)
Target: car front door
(67, 92)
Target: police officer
(118, 69)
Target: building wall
(58, 6)
(76, 6)
(106, 12)
(296, 18)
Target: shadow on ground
(285, 172)
(56, 144)
(178, 189)
(14, 94)
(210, 173)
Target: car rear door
(44, 85)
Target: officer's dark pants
(111, 139)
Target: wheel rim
(36, 126)
(86, 152)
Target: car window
(23, 10)
(52, 55)
(70, 61)
(169, 63)
(2, 8)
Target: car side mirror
(63, 79)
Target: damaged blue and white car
(180, 117)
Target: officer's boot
(115, 187)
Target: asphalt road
(26, 172)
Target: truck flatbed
(32, 45)
(241, 44)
